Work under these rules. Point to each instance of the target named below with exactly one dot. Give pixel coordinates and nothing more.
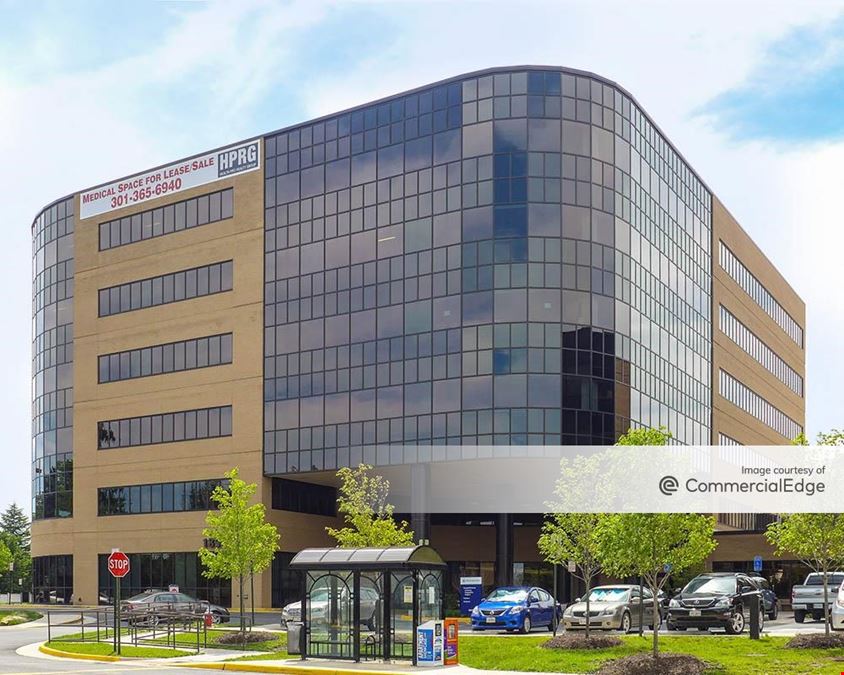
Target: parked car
(146, 605)
(714, 600)
(616, 607)
(769, 599)
(836, 614)
(516, 608)
(807, 598)
(318, 607)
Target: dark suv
(714, 601)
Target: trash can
(294, 637)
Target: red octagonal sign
(118, 564)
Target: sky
(751, 93)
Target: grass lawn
(729, 655)
(188, 640)
(106, 649)
(13, 617)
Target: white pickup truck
(808, 597)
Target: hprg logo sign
(237, 160)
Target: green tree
(571, 537)
(652, 544)
(244, 542)
(366, 512)
(645, 436)
(815, 538)
(15, 534)
(14, 522)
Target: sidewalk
(291, 666)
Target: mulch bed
(816, 641)
(238, 638)
(645, 664)
(579, 641)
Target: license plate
(580, 621)
(694, 612)
(490, 619)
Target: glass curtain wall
(52, 362)
(510, 257)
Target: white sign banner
(173, 178)
(620, 479)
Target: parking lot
(784, 626)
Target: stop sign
(118, 564)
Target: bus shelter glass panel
(430, 596)
(330, 614)
(401, 616)
(371, 615)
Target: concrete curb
(257, 667)
(44, 649)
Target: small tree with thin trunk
(651, 545)
(815, 538)
(244, 542)
(366, 512)
(570, 537)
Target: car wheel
(526, 625)
(625, 623)
(735, 626)
(216, 619)
(799, 616)
(552, 626)
(658, 626)
(152, 621)
(775, 612)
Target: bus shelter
(366, 603)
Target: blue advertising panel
(429, 644)
(471, 593)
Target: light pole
(11, 569)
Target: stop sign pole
(118, 567)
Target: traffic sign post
(757, 563)
(118, 567)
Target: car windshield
(715, 585)
(831, 579)
(609, 595)
(508, 595)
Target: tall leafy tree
(244, 542)
(652, 544)
(367, 514)
(14, 522)
(815, 538)
(15, 534)
(571, 537)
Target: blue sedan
(518, 608)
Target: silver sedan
(616, 607)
